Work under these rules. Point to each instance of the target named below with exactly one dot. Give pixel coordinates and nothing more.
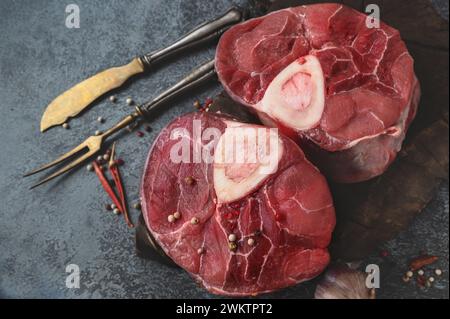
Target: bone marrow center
(244, 158)
(297, 91)
(296, 96)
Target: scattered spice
(208, 102)
(171, 219)
(418, 265)
(137, 206)
(90, 168)
(384, 253)
(112, 99)
(148, 128)
(97, 133)
(108, 207)
(251, 242)
(113, 206)
(129, 101)
(232, 238)
(422, 261)
(201, 251)
(100, 159)
(189, 180)
(105, 157)
(197, 105)
(139, 134)
(177, 215)
(119, 162)
(206, 105)
(66, 126)
(194, 221)
(100, 119)
(116, 211)
(421, 280)
(232, 246)
(258, 232)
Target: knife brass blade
(75, 100)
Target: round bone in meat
(345, 90)
(277, 210)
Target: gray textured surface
(44, 230)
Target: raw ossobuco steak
(345, 90)
(239, 228)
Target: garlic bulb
(342, 282)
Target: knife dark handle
(201, 34)
(200, 75)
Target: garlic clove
(341, 282)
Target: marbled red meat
(286, 213)
(344, 90)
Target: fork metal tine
(74, 151)
(66, 168)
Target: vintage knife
(79, 97)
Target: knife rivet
(66, 126)
(130, 101)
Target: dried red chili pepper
(422, 261)
(114, 169)
(119, 185)
(106, 186)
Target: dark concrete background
(44, 230)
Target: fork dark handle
(202, 74)
(201, 34)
